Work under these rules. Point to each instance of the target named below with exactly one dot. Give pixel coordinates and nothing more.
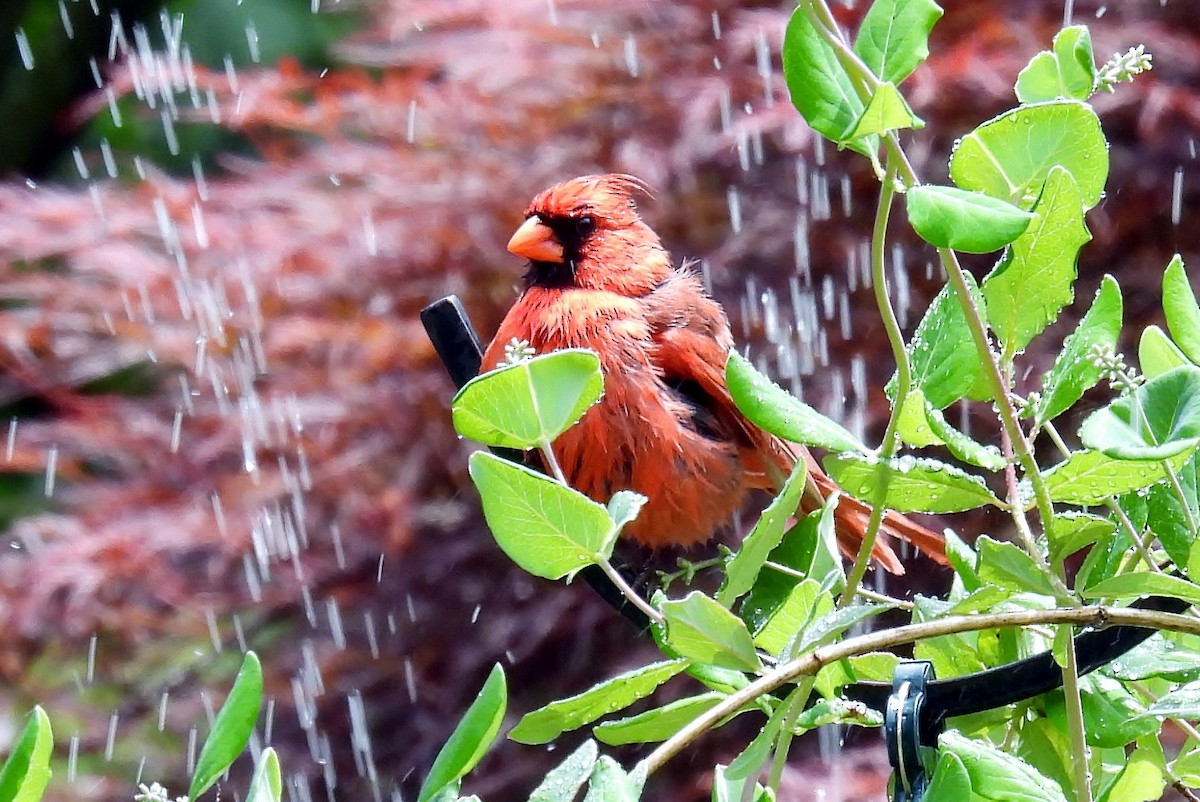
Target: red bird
(666, 426)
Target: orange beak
(535, 241)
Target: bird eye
(585, 226)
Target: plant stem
(819, 14)
(891, 325)
(1094, 616)
(612, 573)
(796, 701)
(1075, 727)
(615, 576)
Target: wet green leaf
(471, 738)
(547, 528)
(743, 569)
(1066, 71)
(1008, 566)
(267, 783)
(1089, 477)
(26, 772)
(1036, 277)
(915, 485)
(563, 782)
(1157, 353)
(1144, 583)
(773, 409)
(547, 723)
(1179, 306)
(886, 111)
(1074, 530)
(1010, 156)
(821, 89)
(700, 629)
(996, 775)
(610, 783)
(942, 354)
(1158, 420)
(233, 726)
(973, 222)
(531, 402)
(658, 724)
(1075, 370)
(894, 36)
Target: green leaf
(471, 738)
(872, 666)
(886, 111)
(529, 403)
(1008, 566)
(547, 723)
(1144, 583)
(1089, 477)
(1157, 353)
(973, 222)
(1074, 530)
(727, 789)
(610, 783)
(1180, 703)
(773, 409)
(1179, 306)
(562, 784)
(838, 711)
(959, 444)
(1158, 420)
(982, 598)
(776, 628)
(1172, 656)
(916, 485)
(1141, 780)
(1111, 714)
(995, 775)
(1166, 516)
(700, 629)
(913, 427)
(821, 89)
(963, 559)
(832, 624)
(623, 507)
(1067, 71)
(743, 569)
(950, 782)
(894, 37)
(942, 354)
(658, 724)
(232, 729)
(547, 528)
(27, 769)
(267, 783)
(1010, 156)
(1075, 370)
(1036, 277)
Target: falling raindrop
(1177, 196)
(631, 55)
(51, 470)
(23, 49)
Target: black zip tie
(458, 346)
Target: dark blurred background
(226, 429)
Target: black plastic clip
(903, 729)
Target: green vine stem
(895, 335)
(1094, 616)
(1080, 766)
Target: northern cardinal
(666, 426)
